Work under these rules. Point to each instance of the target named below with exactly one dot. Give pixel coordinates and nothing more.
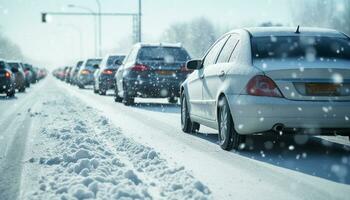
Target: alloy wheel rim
(223, 124)
(183, 113)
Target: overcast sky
(58, 42)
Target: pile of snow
(86, 157)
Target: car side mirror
(14, 70)
(194, 64)
(96, 66)
(118, 62)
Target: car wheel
(117, 98)
(102, 91)
(22, 89)
(172, 100)
(11, 93)
(128, 100)
(228, 136)
(186, 124)
(81, 86)
(95, 90)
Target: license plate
(164, 72)
(322, 89)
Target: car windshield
(307, 48)
(112, 59)
(165, 54)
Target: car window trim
(219, 40)
(229, 59)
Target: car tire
(172, 100)
(102, 91)
(95, 90)
(186, 124)
(11, 93)
(117, 98)
(81, 86)
(127, 100)
(228, 136)
(22, 89)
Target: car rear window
(2, 65)
(13, 65)
(309, 48)
(166, 54)
(111, 60)
(91, 62)
(79, 64)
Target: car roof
(291, 31)
(161, 44)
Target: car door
(196, 83)
(195, 87)
(214, 75)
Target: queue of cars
(149, 71)
(251, 81)
(15, 75)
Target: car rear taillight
(263, 86)
(140, 68)
(85, 72)
(7, 75)
(107, 71)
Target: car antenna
(298, 31)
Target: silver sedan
(263, 80)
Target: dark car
(20, 77)
(104, 77)
(7, 79)
(152, 71)
(85, 75)
(74, 72)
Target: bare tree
(322, 13)
(9, 50)
(196, 36)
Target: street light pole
(99, 28)
(95, 23)
(140, 23)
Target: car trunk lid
(314, 81)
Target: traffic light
(43, 17)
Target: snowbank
(86, 157)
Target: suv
(104, 79)
(7, 79)
(20, 77)
(85, 75)
(152, 71)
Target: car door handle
(202, 76)
(221, 74)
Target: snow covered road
(61, 142)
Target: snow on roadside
(86, 157)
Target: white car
(262, 80)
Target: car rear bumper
(107, 83)
(86, 79)
(5, 86)
(153, 89)
(261, 114)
